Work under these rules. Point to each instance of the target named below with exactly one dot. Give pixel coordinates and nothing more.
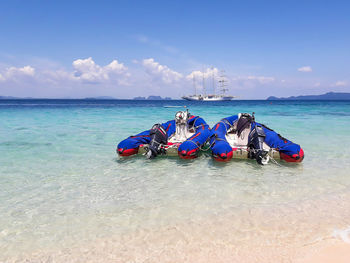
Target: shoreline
(288, 233)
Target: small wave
(342, 234)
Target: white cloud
(254, 79)
(57, 82)
(57, 77)
(207, 73)
(159, 71)
(87, 70)
(339, 84)
(14, 73)
(238, 82)
(204, 79)
(305, 69)
(149, 77)
(27, 70)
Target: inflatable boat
(239, 136)
(184, 136)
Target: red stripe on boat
(295, 158)
(188, 154)
(195, 136)
(137, 136)
(127, 152)
(224, 157)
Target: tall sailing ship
(211, 97)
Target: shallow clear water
(63, 185)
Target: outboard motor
(159, 137)
(255, 144)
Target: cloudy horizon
(126, 51)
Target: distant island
(327, 96)
(101, 98)
(14, 98)
(152, 98)
(31, 98)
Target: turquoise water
(62, 185)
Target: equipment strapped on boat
(243, 122)
(184, 136)
(240, 136)
(237, 136)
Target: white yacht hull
(208, 98)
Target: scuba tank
(181, 125)
(159, 137)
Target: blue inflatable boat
(183, 136)
(239, 136)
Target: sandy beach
(288, 233)
(172, 245)
(337, 252)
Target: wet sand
(337, 252)
(175, 248)
(291, 233)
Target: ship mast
(194, 85)
(204, 91)
(223, 82)
(212, 75)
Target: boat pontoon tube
(277, 146)
(187, 143)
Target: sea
(65, 195)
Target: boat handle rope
(275, 162)
(210, 145)
(224, 121)
(270, 157)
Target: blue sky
(130, 48)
